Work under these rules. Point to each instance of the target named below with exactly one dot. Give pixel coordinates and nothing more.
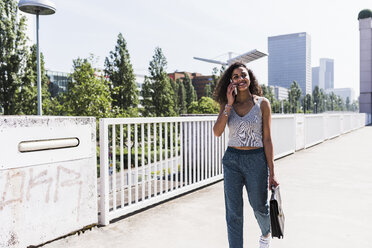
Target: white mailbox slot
(40, 145)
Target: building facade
(58, 81)
(365, 29)
(326, 73)
(344, 93)
(198, 81)
(280, 93)
(323, 75)
(315, 77)
(290, 60)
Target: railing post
(104, 177)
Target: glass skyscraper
(326, 73)
(315, 77)
(323, 75)
(290, 60)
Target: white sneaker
(264, 242)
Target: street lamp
(37, 7)
(282, 107)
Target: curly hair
(219, 93)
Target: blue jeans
(245, 168)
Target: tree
(208, 91)
(120, 72)
(269, 94)
(348, 107)
(308, 106)
(294, 95)
(181, 97)
(355, 106)
(340, 104)
(157, 92)
(286, 106)
(175, 87)
(190, 91)
(327, 103)
(323, 98)
(27, 92)
(147, 101)
(264, 89)
(205, 105)
(88, 95)
(316, 97)
(275, 106)
(209, 88)
(332, 99)
(13, 52)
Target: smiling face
(240, 78)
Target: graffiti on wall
(22, 186)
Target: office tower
(343, 93)
(365, 29)
(323, 75)
(326, 73)
(290, 60)
(315, 76)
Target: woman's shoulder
(261, 99)
(264, 103)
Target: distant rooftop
(366, 13)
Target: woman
(249, 158)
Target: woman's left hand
(273, 181)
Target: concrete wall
(46, 194)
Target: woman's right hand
(230, 94)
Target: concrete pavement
(327, 198)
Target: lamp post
(282, 107)
(37, 7)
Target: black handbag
(276, 214)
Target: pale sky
(201, 28)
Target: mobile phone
(235, 89)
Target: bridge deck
(327, 199)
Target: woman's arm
(220, 124)
(267, 142)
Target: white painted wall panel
(332, 126)
(314, 129)
(46, 194)
(283, 130)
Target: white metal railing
(314, 129)
(283, 134)
(332, 125)
(320, 127)
(154, 159)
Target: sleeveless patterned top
(246, 130)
